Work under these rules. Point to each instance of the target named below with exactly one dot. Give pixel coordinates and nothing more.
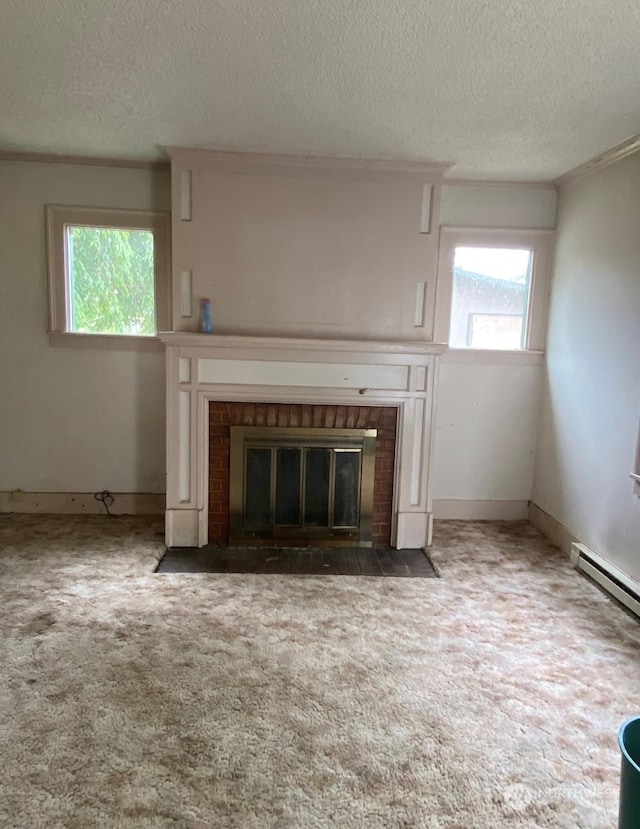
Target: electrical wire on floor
(107, 499)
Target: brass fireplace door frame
(362, 441)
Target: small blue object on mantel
(206, 325)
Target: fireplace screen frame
(362, 441)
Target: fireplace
(298, 486)
(330, 421)
(213, 383)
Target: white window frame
(539, 241)
(57, 219)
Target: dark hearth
(308, 561)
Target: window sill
(118, 342)
(496, 357)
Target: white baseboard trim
(82, 503)
(616, 582)
(445, 508)
(561, 536)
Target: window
(492, 288)
(108, 275)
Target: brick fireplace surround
(224, 415)
(214, 381)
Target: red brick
(351, 417)
(272, 414)
(306, 417)
(218, 474)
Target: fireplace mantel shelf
(269, 343)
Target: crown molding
(84, 160)
(232, 160)
(605, 159)
(478, 182)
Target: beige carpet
(489, 697)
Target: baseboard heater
(615, 581)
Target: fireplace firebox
(301, 486)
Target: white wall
(305, 250)
(71, 420)
(507, 206)
(487, 412)
(590, 410)
(485, 436)
(76, 420)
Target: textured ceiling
(500, 88)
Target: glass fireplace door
(302, 486)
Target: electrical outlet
(17, 495)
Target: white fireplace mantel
(202, 367)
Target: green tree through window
(111, 281)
